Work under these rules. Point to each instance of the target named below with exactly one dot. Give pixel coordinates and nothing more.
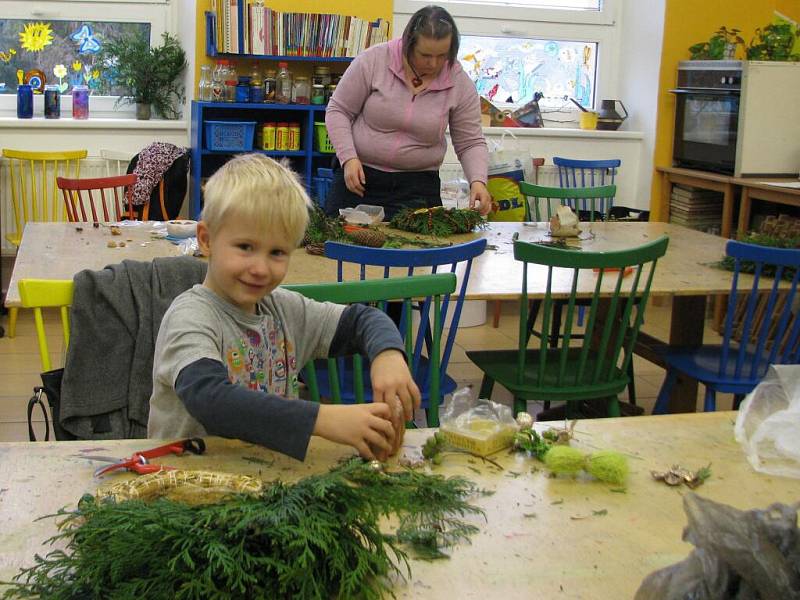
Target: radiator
(455, 191)
(90, 167)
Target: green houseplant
(150, 75)
(721, 45)
(773, 42)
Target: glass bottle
(243, 89)
(217, 92)
(24, 101)
(283, 88)
(301, 90)
(270, 83)
(80, 102)
(230, 84)
(322, 75)
(204, 91)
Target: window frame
(601, 27)
(160, 14)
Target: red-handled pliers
(140, 461)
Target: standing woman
(388, 116)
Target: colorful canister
(24, 101)
(294, 136)
(282, 136)
(268, 132)
(317, 94)
(52, 102)
(80, 102)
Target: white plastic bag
(768, 424)
(507, 167)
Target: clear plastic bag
(768, 423)
(455, 193)
(480, 426)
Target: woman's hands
(354, 177)
(479, 197)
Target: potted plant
(150, 75)
(773, 42)
(721, 45)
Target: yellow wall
(365, 9)
(687, 22)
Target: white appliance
(768, 141)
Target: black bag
(175, 186)
(51, 388)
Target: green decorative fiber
(317, 538)
(608, 466)
(605, 465)
(438, 221)
(564, 460)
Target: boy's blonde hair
(260, 189)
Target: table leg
(727, 210)
(686, 329)
(744, 211)
(666, 192)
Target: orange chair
(83, 204)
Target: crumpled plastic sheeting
(742, 555)
(768, 423)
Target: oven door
(706, 123)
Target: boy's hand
(392, 384)
(366, 427)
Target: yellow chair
(47, 293)
(34, 193)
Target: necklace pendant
(416, 82)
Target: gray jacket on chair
(115, 317)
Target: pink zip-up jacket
(374, 117)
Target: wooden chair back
(98, 199)
(47, 293)
(34, 194)
(588, 203)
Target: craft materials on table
(140, 461)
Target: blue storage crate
(321, 186)
(230, 135)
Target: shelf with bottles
(352, 33)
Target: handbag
(51, 389)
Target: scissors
(140, 463)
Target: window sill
(92, 123)
(563, 132)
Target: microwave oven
(738, 117)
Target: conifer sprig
(317, 538)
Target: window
(60, 38)
(514, 48)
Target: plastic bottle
(243, 89)
(283, 88)
(270, 83)
(282, 136)
(294, 136)
(256, 86)
(268, 136)
(204, 89)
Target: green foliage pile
(762, 239)
(439, 221)
(317, 538)
(151, 75)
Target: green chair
(589, 203)
(586, 365)
(427, 290)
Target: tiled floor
(19, 364)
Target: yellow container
(588, 120)
(480, 436)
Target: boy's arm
(232, 411)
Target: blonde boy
(229, 350)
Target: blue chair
(574, 173)
(761, 329)
(435, 260)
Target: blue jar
(24, 101)
(243, 90)
(52, 102)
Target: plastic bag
(455, 193)
(507, 167)
(738, 554)
(768, 423)
(480, 426)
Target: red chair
(84, 198)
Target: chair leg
(520, 405)
(613, 407)
(710, 402)
(632, 384)
(662, 402)
(496, 314)
(487, 385)
(13, 313)
(737, 400)
(555, 326)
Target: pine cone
(367, 237)
(316, 249)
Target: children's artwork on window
(508, 71)
(66, 52)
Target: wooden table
(541, 539)
(704, 180)
(58, 251)
(764, 189)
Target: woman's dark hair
(431, 22)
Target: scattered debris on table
(678, 475)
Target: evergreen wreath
(438, 221)
(317, 538)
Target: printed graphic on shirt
(264, 360)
